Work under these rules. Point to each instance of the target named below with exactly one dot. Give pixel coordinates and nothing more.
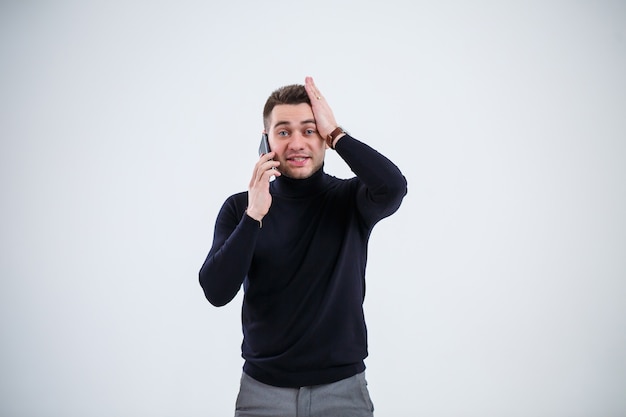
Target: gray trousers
(346, 398)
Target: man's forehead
(283, 114)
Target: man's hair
(289, 94)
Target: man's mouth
(298, 160)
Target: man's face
(293, 136)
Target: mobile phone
(264, 147)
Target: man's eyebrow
(284, 122)
(281, 123)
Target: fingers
(324, 117)
(311, 89)
(259, 197)
(264, 169)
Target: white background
(498, 289)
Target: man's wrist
(253, 217)
(339, 136)
(334, 136)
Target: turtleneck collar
(307, 187)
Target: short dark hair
(289, 94)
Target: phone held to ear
(264, 147)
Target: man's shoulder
(236, 201)
(341, 184)
(243, 195)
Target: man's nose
(297, 140)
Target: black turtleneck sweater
(303, 271)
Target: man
(298, 245)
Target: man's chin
(297, 174)
(300, 173)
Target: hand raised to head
(324, 117)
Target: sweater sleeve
(382, 185)
(228, 261)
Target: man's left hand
(324, 117)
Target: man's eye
(283, 133)
(310, 131)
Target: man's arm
(228, 261)
(382, 184)
(234, 238)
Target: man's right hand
(259, 197)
